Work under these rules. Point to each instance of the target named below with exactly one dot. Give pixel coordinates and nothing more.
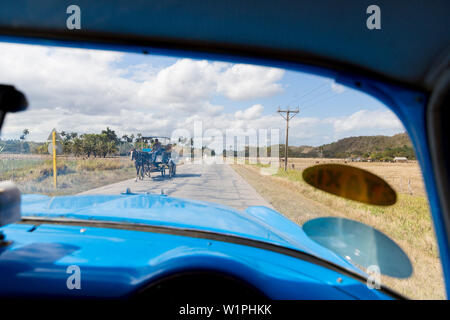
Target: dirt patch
(283, 196)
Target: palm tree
(25, 132)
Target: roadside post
(55, 172)
(54, 148)
(287, 115)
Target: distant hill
(373, 147)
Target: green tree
(89, 144)
(111, 148)
(42, 149)
(77, 146)
(110, 135)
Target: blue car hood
(258, 223)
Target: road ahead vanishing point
(206, 182)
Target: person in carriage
(157, 149)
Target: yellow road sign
(58, 148)
(57, 136)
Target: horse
(138, 158)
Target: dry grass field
(408, 222)
(34, 173)
(403, 177)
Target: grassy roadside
(407, 222)
(74, 174)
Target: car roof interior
(411, 48)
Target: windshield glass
(110, 123)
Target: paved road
(216, 183)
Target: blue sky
(87, 90)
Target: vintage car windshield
(111, 123)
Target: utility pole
(287, 115)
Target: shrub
(46, 170)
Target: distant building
(400, 159)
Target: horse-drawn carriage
(154, 159)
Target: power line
(308, 92)
(319, 95)
(321, 100)
(313, 103)
(314, 89)
(326, 98)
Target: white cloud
(250, 113)
(365, 119)
(86, 90)
(83, 80)
(243, 82)
(91, 82)
(186, 82)
(303, 130)
(337, 88)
